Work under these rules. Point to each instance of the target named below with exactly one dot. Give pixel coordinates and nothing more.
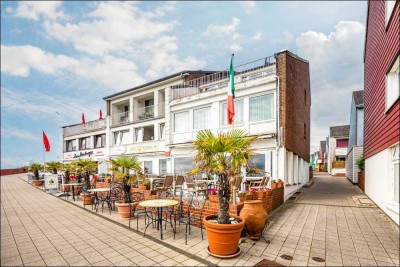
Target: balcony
(139, 114)
(341, 151)
(243, 73)
(90, 126)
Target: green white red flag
(231, 94)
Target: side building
(356, 135)
(338, 143)
(382, 105)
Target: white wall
(379, 182)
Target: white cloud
(336, 69)
(225, 34)
(257, 36)
(248, 5)
(35, 9)
(19, 133)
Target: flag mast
(44, 156)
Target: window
(183, 165)
(84, 143)
(162, 166)
(258, 162)
(148, 133)
(393, 84)
(389, 6)
(342, 143)
(148, 167)
(71, 145)
(238, 118)
(138, 135)
(201, 118)
(121, 138)
(262, 107)
(100, 141)
(181, 121)
(396, 182)
(162, 131)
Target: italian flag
(231, 94)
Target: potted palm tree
(54, 166)
(35, 168)
(85, 169)
(126, 171)
(223, 155)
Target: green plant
(35, 168)
(361, 163)
(146, 184)
(224, 155)
(273, 181)
(84, 168)
(54, 166)
(121, 167)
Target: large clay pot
(87, 198)
(255, 216)
(37, 183)
(123, 210)
(223, 239)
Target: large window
(261, 107)
(100, 141)
(238, 119)
(84, 143)
(148, 167)
(258, 162)
(396, 182)
(181, 121)
(393, 84)
(121, 138)
(340, 143)
(71, 145)
(162, 131)
(201, 118)
(162, 166)
(183, 165)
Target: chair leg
(186, 234)
(201, 229)
(137, 222)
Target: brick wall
(295, 103)
(13, 171)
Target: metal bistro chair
(195, 208)
(259, 184)
(168, 181)
(237, 183)
(104, 197)
(138, 211)
(180, 179)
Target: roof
(323, 146)
(159, 80)
(339, 131)
(358, 97)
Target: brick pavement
(324, 222)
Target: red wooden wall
(381, 48)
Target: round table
(159, 204)
(97, 201)
(73, 188)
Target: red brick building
(381, 100)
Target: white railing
(90, 126)
(138, 114)
(341, 151)
(120, 118)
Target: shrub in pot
(274, 184)
(35, 168)
(280, 183)
(223, 155)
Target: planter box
(361, 181)
(274, 185)
(213, 198)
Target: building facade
(338, 143)
(158, 121)
(382, 105)
(356, 135)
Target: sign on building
(51, 183)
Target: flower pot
(242, 198)
(87, 198)
(274, 185)
(280, 184)
(255, 196)
(213, 198)
(268, 193)
(248, 197)
(144, 187)
(255, 217)
(37, 183)
(223, 239)
(261, 194)
(124, 210)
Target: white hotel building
(158, 121)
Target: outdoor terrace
(246, 72)
(138, 114)
(89, 126)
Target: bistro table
(73, 188)
(96, 198)
(159, 204)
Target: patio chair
(104, 197)
(260, 184)
(137, 210)
(193, 215)
(193, 188)
(180, 179)
(168, 181)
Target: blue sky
(64, 57)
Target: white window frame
(392, 85)
(201, 128)
(394, 205)
(188, 122)
(224, 122)
(273, 112)
(389, 7)
(161, 128)
(119, 137)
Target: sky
(59, 59)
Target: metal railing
(138, 114)
(83, 128)
(243, 73)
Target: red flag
(101, 115)
(46, 143)
(83, 119)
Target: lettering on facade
(82, 154)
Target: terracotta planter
(274, 185)
(248, 197)
(107, 179)
(37, 183)
(143, 187)
(255, 216)
(255, 196)
(123, 210)
(280, 184)
(223, 239)
(268, 193)
(242, 198)
(261, 194)
(87, 198)
(213, 198)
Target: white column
(290, 167)
(134, 108)
(280, 165)
(155, 96)
(295, 169)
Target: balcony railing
(341, 151)
(90, 126)
(143, 113)
(243, 73)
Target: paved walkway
(324, 222)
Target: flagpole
(44, 156)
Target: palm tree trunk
(223, 196)
(36, 173)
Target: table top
(252, 178)
(99, 190)
(205, 181)
(158, 203)
(74, 184)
